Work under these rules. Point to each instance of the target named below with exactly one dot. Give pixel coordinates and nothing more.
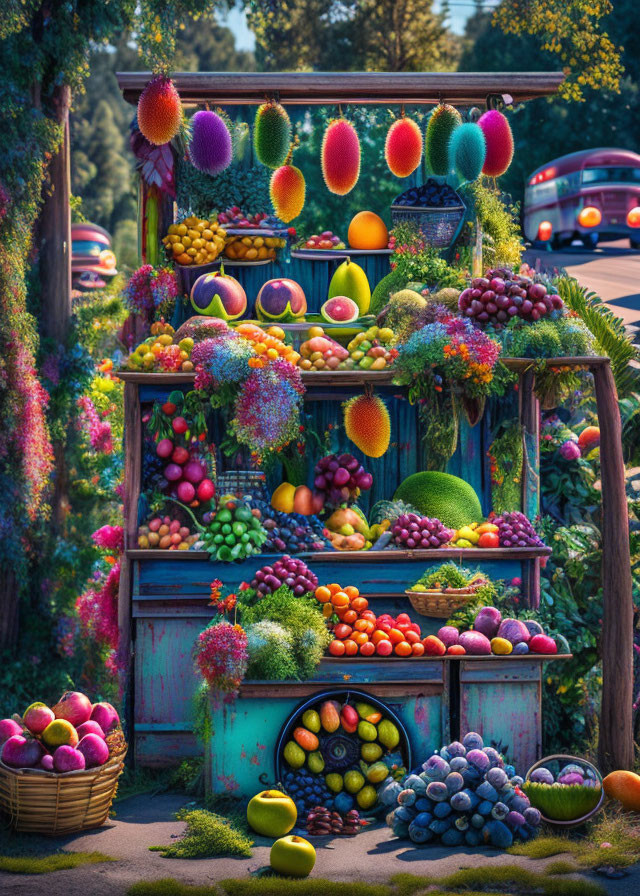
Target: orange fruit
(351, 591)
(367, 649)
(350, 616)
(403, 648)
(395, 636)
(350, 647)
(327, 610)
(379, 636)
(323, 594)
(367, 231)
(363, 625)
(337, 648)
(342, 631)
(369, 614)
(360, 637)
(359, 604)
(411, 637)
(340, 599)
(333, 588)
(417, 649)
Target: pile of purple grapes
(515, 531)
(502, 295)
(340, 478)
(413, 531)
(295, 574)
(290, 532)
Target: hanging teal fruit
(442, 123)
(467, 151)
(272, 134)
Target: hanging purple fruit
(210, 147)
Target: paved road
(612, 271)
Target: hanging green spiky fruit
(442, 123)
(467, 151)
(272, 134)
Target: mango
(330, 716)
(377, 773)
(334, 782)
(368, 712)
(306, 739)
(294, 754)
(311, 720)
(623, 786)
(282, 498)
(467, 534)
(315, 762)
(349, 719)
(388, 734)
(367, 797)
(370, 752)
(367, 731)
(353, 781)
(501, 647)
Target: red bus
(584, 195)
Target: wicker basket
(440, 603)
(40, 802)
(439, 226)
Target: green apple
(293, 856)
(271, 813)
(353, 781)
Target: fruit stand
(164, 596)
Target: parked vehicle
(93, 262)
(586, 195)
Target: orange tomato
(359, 604)
(395, 636)
(350, 647)
(403, 648)
(411, 637)
(350, 617)
(323, 594)
(367, 649)
(351, 591)
(369, 614)
(360, 638)
(417, 649)
(333, 588)
(337, 648)
(364, 625)
(456, 650)
(340, 599)
(378, 636)
(342, 631)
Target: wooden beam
(322, 88)
(615, 746)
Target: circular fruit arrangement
(501, 295)
(337, 752)
(564, 789)
(194, 241)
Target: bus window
(541, 194)
(611, 175)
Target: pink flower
(111, 538)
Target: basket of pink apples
(59, 765)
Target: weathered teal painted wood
(503, 705)
(162, 749)
(165, 680)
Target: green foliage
(60, 861)
(270, 649)
(506, 456)
(301, 618)
(413, 261)
(207, 835)
(609, 332)
(201, 194)
(498, 218)
(546, 338)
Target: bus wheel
(589, 240)
(634, 244)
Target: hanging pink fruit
(499, 143)
(159, 111)
(340, 157)
(403, 147)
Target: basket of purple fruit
(435, 209)
(565, 789)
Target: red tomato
(403, 618)
(367, 649)
(417, 649)
(337, 648)
(384, 627)
(384, 647)
(411, 637)
(342, 631)
(350, 647)
(433, 646)
(489, 540)
(456, 650)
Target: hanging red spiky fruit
(499, 142)
(159, 111)
(367, 424)
(210, 147)
(287, 191)
(403, 147)
(340, 157)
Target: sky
(236, 21)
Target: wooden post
(132, 481)
(615, 746)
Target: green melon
(448, 498)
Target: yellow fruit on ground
(368, 231)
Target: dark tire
(589, 240)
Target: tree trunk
(615, 747)
(54, 231)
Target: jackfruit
(448, 498)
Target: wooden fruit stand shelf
(163, 602)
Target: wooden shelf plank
(346, 557)
(321, 88)
(349, 378)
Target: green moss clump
(59, 861)
(383, 291)
(270, 648)
(272, 134)
(442, 123)
(207, 835)
(500, 223)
